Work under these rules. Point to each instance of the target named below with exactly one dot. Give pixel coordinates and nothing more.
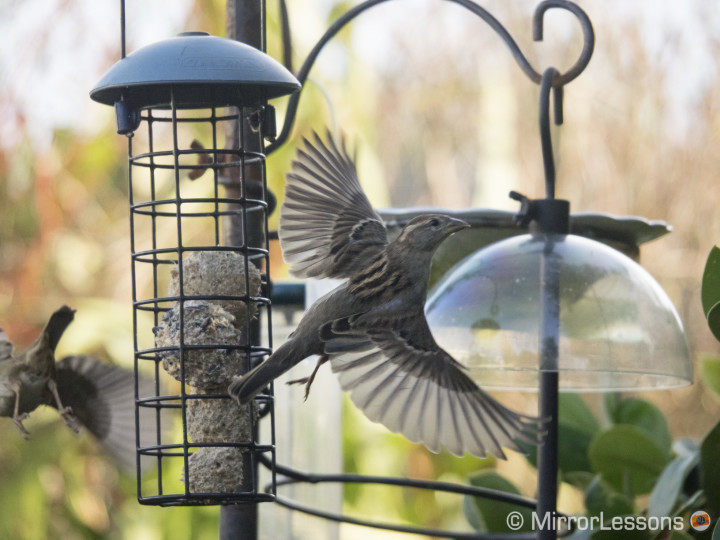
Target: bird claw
(18, 420)
(307, 381)
(71, 420)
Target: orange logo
(700, 520)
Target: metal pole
(549, 340)
(238, 521)
(245, 22)
(551, 220)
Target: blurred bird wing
(102, 397)
(412, 386)
(327, 226)
(6, 347)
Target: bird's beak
(454, 225)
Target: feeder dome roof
(197, 70)
(618, 330)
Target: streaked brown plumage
(85, 391)
(372, 328)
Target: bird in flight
(372, 328)
(85, 391)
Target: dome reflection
(618, 329)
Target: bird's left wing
(327, 226)
(404, 380)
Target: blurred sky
(681, 38)
(54, 51)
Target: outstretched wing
(327, 226)
(102, 397)
(405, 381)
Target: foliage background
(441, 116)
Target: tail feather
(245, 387)
(102, 398)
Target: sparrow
(372, 328)
(85, 391)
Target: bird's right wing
(401, 378)
(327, 226)
(102, 397)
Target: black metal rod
(292, 476)
(440, 533)
(122, 28)
(238, 521)
(549, 318)
(548, 391)
(246, 23)
(559, 80)
(545, 136)
(588, 37)
(181, 288)
(295, 476)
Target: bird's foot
(307, 381)
(71, 420)
(18, 420)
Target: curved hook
(558, 81)
(302, 75)
(588, 37)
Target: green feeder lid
(197, 70)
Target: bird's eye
(434, 222)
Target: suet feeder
(194, 110)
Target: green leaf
(602, 499)
(646, 416)
(628, 458)
(710, 291)
(713, 320)
(710, 373)
(710, 467)
(576, 428)
(694, 501)
(574, 412)
(611, 402)
(489, 515)
(679, 535)
(473, 515)
(716, 532)
(584, 534)
(685, 445)
(668, 487)
(579, 479)
(622, 534)
(572, 450)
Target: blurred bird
(372, 328)
(85, 391)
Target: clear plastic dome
(618, 329)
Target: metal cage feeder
(194, 110)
